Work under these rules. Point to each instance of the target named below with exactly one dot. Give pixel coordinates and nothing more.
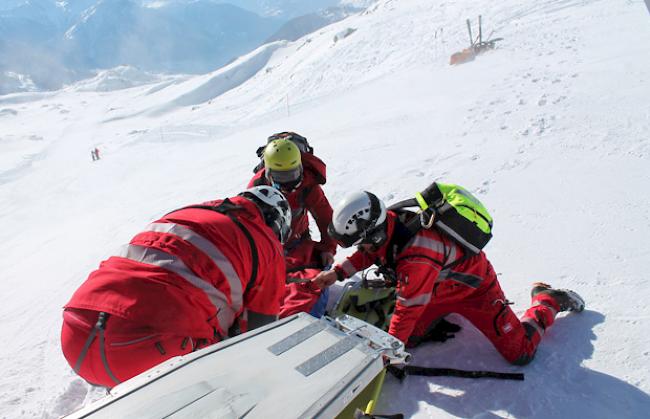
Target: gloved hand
(325, 279)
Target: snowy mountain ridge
(56, 43)
(550, 130)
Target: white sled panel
(314, 374)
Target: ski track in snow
(551, 130)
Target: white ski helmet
(274, 207)
(360, 218)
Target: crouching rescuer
(436, 259)
(196, 276)
(289, 165)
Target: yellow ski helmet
(282, 155)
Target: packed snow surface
(550, 130)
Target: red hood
(316, 166)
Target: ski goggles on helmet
(285, 179)
(374, 236)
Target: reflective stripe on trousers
(419, 300)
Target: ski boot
(567, 300)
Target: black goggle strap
(343, 239)
(279, 221)
(373, 235)
(367, 226)
(375, 208)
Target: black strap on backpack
(406, 227)
(225, 208)
(402, 234)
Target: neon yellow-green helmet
(282, 155)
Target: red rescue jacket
(188, 272)
(421, 280)
(308, 197)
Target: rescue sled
(297, 367)
(370, 300)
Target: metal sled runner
(298, 367)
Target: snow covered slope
(551, 130)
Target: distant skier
(93, 154)
(96, 153)
(196, 276)
(288, 164)
(426, 292)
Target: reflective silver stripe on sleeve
(420, 300)
(533, 323)
(348, 267)
(155, 257)
(436, 246)
(210, 250)
(428, 243)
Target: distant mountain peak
(74, 38)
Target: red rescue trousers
(301, 254)
(302, 261)
(300, 297)
(118, 349)
(515, 339)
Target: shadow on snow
(557, 384)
